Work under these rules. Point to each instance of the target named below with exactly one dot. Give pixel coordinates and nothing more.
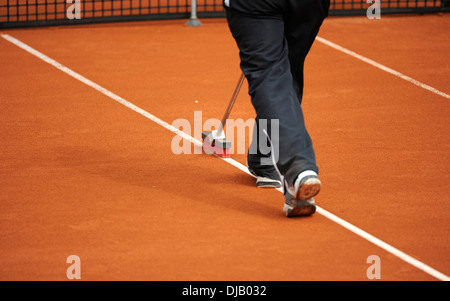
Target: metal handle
(230, 105)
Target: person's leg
(266, 174)
(245, 20)
(302, 23)
(303, 20)
(265, 63)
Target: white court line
(382, 67)
(405, 257)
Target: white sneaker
(299, 199)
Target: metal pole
(231, 104)
(193, 21)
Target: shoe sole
(304, 203)
(263, 182)
(309, 189)
(300, 208)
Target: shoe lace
(272, 156)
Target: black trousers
(274, 38)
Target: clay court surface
(82, 174)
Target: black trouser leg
(301, 28)
(274, 72)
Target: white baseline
(382, 67)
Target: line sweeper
(214, 142)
